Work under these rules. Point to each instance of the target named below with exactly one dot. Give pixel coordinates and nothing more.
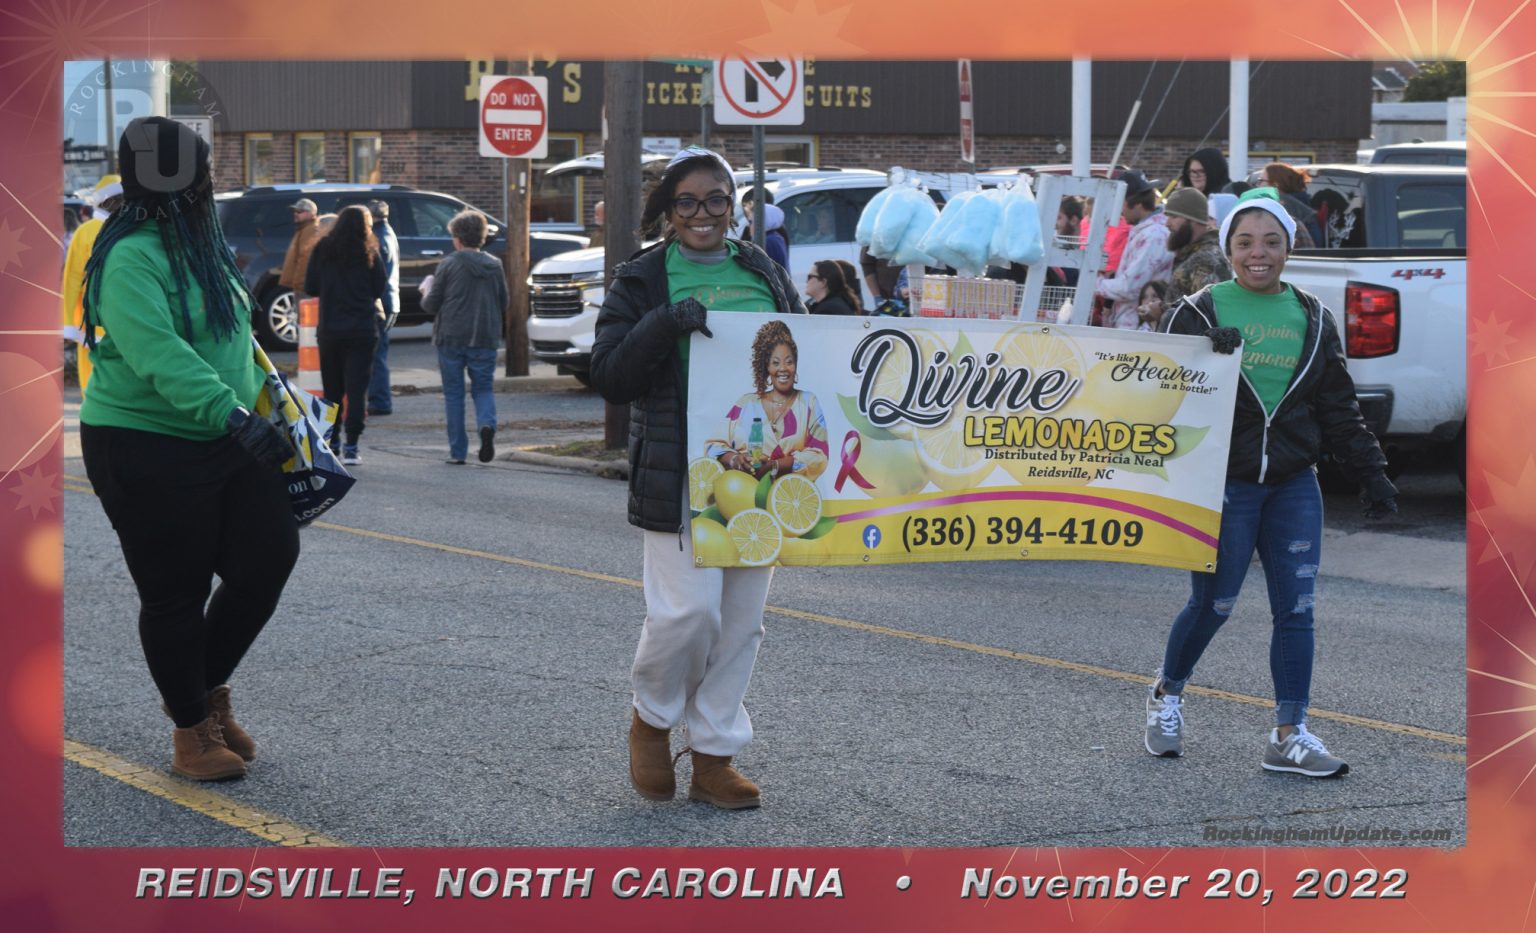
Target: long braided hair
(154, 154)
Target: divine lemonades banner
(851, 440)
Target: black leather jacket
(1319, 408)
(634, 360)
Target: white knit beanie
(1262, 199)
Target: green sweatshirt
(148, 376)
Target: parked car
(1394, 270)
(258, 224)
(1445, 152)
(821, 208)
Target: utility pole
(515, 260)
(622, 101)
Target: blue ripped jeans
(1285, 523)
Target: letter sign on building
(514, 117)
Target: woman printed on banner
(703, 625)
(794, 428)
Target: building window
(363, 151)
(258, 159)
(309, 157)
(794, 150)
(557, 201)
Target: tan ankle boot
(238, 740)
(650, 759)
(715, 781)
(202, 755)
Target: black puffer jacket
(634, 360)
(1319, 409)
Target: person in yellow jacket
(105, 199)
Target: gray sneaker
(1302, 753)
(1165, 724)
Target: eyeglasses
(1194, 172)
(715, 205)
(814, 276)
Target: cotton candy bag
(909, 252)
(1022, 242)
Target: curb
(607, 469)
(506, 384)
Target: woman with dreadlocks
(187, 475)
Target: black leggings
(185, 511)
(346, 367)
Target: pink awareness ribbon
(852, 446)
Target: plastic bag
(969, 239)
(893, 218)
(909, 251)
(864, 231)
(1022, 241)
(315, 478)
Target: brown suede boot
(715, 781)
(650, 759)
(202, 755)
(238, 740)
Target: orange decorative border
(1489, 884)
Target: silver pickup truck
(1394, 272)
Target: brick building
(413, 123)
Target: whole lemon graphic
(735, 492)
(712, 545)
(1130, 399)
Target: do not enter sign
(514, 117)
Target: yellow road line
(197, 798)
(937, 640)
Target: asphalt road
(450, 667)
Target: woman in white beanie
(1295, 400)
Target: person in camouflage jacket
(1197, 256)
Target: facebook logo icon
(871, 536)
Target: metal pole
(108, 114)
(1082, 116)
(1237, 156)
(757, 183)
(1120, 146)
(516, 193)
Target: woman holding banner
(794, 430)
(187, 475)
(703, 626)
(1295, 400)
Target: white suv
(821, 208)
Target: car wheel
(277, 321)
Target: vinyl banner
(853, 440)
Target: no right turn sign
(759, 91)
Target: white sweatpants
(703, 626)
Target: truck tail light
(1371, 320)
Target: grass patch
(589, 450)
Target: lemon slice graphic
(702, 474)
(794, 501)
(757, 537)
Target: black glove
(689, 316)
(1225, 339)
(263, 440)
(1379, 496)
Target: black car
(258, 224)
